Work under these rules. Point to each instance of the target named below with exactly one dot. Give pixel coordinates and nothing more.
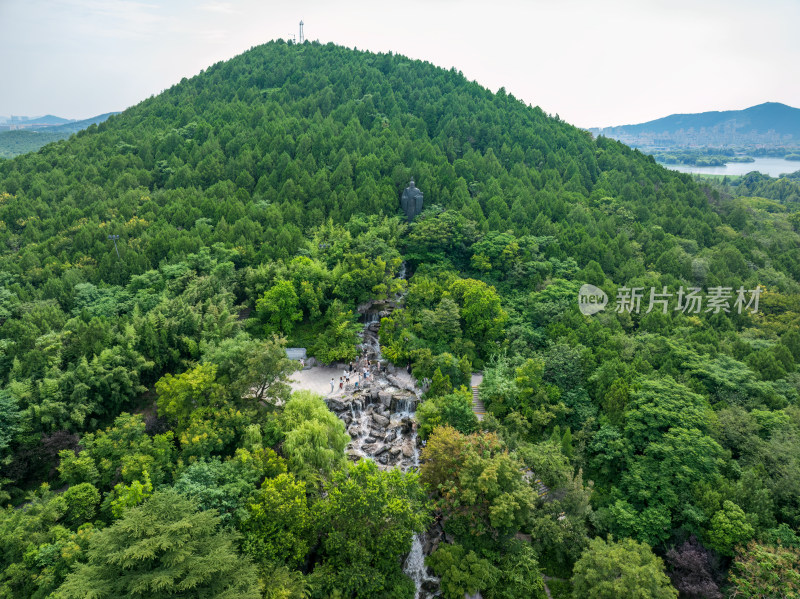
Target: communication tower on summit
(302, 39)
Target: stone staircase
(477, 404)
(537, 483)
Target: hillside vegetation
(257, 204)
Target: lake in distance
(767, 166)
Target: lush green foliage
(257, 207)
(367, 522)
(609, 569)
(453, 409)
(315, 438)
(761, 571)
(165, 548)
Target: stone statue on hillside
(411, 201)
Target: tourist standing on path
(333, 382)
(341, 383)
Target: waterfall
(380, 424)
(401, 274)
(414, 566)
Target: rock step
(541, 488)
(477, 404)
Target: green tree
(227, 486)
(609, 570)
(440, 384)
(453, 410)
(479, 486)
(252, 370)
(519, 574)
(127, 496)
(763, 572)
(11, 422)
(163, 548)
(368, 518)
(278, 524)
(315, 438)
(729, 529)
(337, 336)
(540, 403)
(279, 307)
(481, 312)
(123, 451)
(279, 582)
(81, 501)
(179, 396)
(462, 572)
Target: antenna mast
(302, 38)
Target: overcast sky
(593, 62)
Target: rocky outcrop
(389, 438)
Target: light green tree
(610, 570)
(315, 437)
(179, 396)
(278, 524)
(729, 529)
(481, 312)
(279, 308)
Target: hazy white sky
(594, 62)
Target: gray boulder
(380, 420)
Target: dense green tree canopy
(620, 569)
(164, 548)
(257, 208)
(367, 522)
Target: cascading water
(414, 566)
(380, 421)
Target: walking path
(477, 404)
(316, 379)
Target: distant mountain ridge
(73, 126)
(768, 124)
(27, 122)
(40, 131)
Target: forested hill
(282, 138)
(257, 205)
